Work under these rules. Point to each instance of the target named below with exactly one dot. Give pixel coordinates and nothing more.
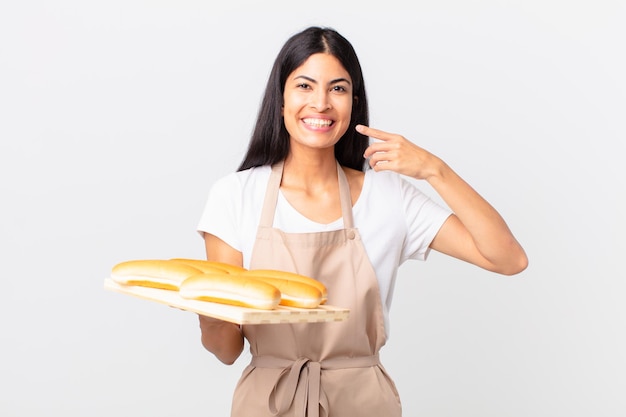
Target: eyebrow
(335, 81)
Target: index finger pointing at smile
(371, 132)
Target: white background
(116, 117)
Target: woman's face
(317, 102)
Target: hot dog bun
(230, 289)
(210, 266)
(155, 273)
(294, 293)
(290, 276)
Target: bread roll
(155, 273)
(290, 276)
(294, 293)
(210, 266)
(230, 289)
(204, 266)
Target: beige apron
(318, 369)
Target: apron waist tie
(303, 381)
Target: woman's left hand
(396, 153)
(476, 232)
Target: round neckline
(335, 223)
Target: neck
(309, 170)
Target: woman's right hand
(222, 338)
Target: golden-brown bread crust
(290, 276)
(294, 293)
(155, 273)
(230, 289)
(210, 266)
(204, 266)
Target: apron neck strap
(273, 186)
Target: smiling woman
(317, 103)
(270, 140)
(303, 201)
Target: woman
(304, 201)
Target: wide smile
(318, 123)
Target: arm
(476, 232)
(222, 338)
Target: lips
(318, 123)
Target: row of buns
(219, 282)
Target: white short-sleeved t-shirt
(396, 220)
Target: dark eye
(303, 86)
(339, 88)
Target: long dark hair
(270, 140)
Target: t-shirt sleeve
(222, 212)
(424, 217)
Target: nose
(320, 100)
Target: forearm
(221, 338)
(476, 233)
(489, 233)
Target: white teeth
(318, 122)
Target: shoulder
(233, 205)
(380, 196)
(395, 192)
(383, 181)
(394, 183)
